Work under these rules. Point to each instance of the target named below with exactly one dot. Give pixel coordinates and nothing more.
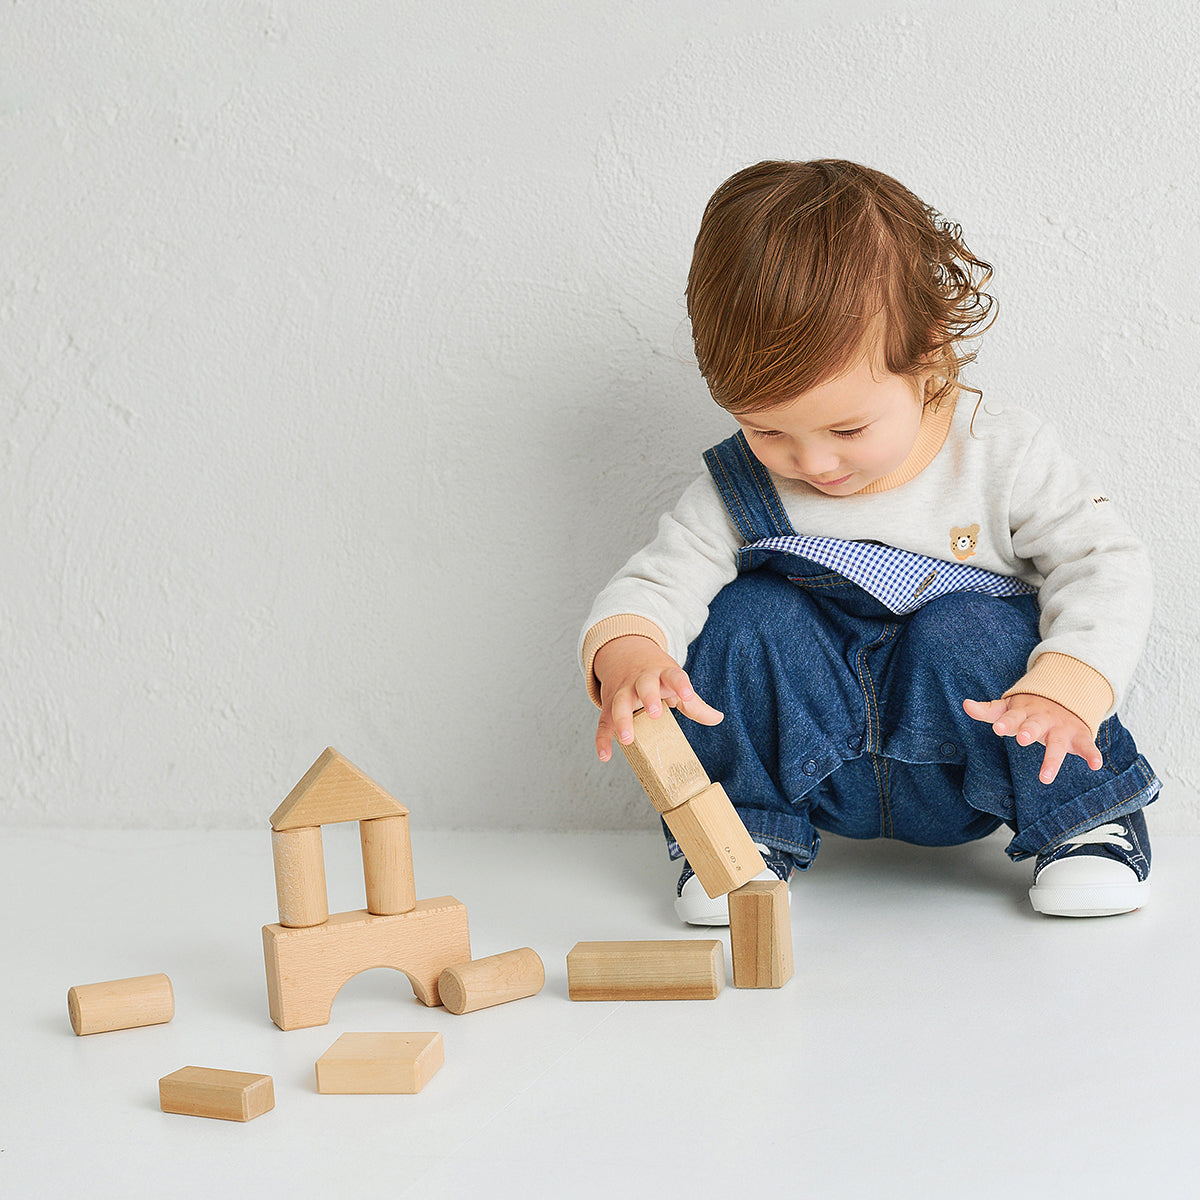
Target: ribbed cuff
(606, 631)
(1068, 682)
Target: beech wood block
(120, 1004)
(334, 789)
(380, 1063)
(714, 841)
(387, 865)
(760, 930)
(306, 968)
(300, 876)
(677, 970)
(666, 766)
(226, 1095)
(513, 975)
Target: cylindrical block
(121, 1004)
(388, 866)
(495, 980)
(300, 877)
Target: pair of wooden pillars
(300, 871)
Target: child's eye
(850, 433)
(766, 433)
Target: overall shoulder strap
(747, 489)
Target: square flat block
(714, 841)
(380, 1063)
(760, 931)
(225, 1095)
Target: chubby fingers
(1004, 716)
(1058, 729)
(987, 711)
(650, 691)
(1059, 745)
(616, 717)
(1055, 756)
(685, 698)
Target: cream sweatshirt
(992, 487)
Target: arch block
(306, 968)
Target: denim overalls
(842, 715)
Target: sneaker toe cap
(1087, 870)
(1087, 886)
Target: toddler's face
(841, 435)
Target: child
(885, 594)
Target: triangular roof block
(334, 789)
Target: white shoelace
(1104, 835)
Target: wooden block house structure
(310, 954)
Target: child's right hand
(634, 673)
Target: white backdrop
(342, 356)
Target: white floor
(939, 1039)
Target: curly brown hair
(800, 266)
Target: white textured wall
(341, 356)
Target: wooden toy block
(226, 1095)
(380, 1063)
(675, 970)
(760, 930)
(714, 841)
(300, 876)
(387, 865)
(306, 968)
(666, 766)
(120, 1004)
(332, 790)
(513, 975)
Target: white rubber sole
(691, 914)
(1089, 900)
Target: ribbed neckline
(931, 437)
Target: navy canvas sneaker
(694, 905)
(1096, 874)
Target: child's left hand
(1036, 719)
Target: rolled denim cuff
(1134, 788)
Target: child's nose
(815, 460)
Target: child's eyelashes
(767, 434)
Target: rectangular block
(666, 766)
(714, 841)
(380, 1063)
(675, 970)
(760, 930)
(225, 1095)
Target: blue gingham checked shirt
(897, 578)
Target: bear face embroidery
(962, 541)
